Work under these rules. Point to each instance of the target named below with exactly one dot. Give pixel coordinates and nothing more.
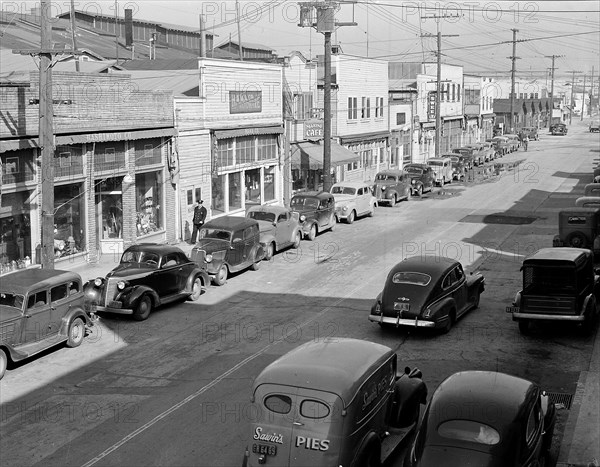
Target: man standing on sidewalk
(198, 220)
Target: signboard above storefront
(244, 102)
(313, 129)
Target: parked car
(484, 419)
(559, 129)
(316, 211)
(489, 151)
(587, 202)
(514, 142)
(228, 244)
(39, 309)
(559, 284)
(531, 132)
(392, 186)
(427, 291)
(595, 127)
(421, 176)
(592, 189)
(333, 402)
(459, 166)
(279, 227)
(352, 200)
(502, 145)
(442, 169)
(578, 228)
(470, 154)
(149, 275)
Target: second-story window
(303, 102)
(366, 107)
(352, 108)
(378, 107)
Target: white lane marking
(202, 390)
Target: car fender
(442, 307)
(70, 317)
(476, 280)
(189, 285)
(389, 194)
(267, 238)
(410, 391)
(585, 303)
(370, 440)
(91, 292)
(257, 252)
(130, 296)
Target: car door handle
(298, 424)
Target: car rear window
(304, 203)
(215, 233)
(343, 190)
(262, 216)
(384, 177)
(414, 170)
(438, 163)
(414, 278)
(278, 403)
(549, 279)
(468, 430)
(13, 300)
(310, 408)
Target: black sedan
(484, 419)
(427, 291)
(148, 275)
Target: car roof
(437, 158)
(158, 248)
(560, 255)
(352, 184)
(336, 365)
(20, 282)
(494, 398)
(230, 222)
(313, 194)
(427, 264)
(416, 164)
(391, 172)
(578, 210)
(269, 208)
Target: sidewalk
(581, 439)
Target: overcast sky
(393, 30)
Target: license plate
(512, 309)
(399, 306)
(114, 304)
(264, 449)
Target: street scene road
(175, 389)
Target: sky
(478, 34)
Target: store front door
(109, 215)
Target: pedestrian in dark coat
(198, 220)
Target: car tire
(297, 240)
(221, 275)
(351, 216)
(270, 251)
(524, 326)
(449, 323)
(312, 233)
(143, 308)
(76, 333)
(420, 191)
(256, 265)
(3, 363)
(372, 211)
(576, 240)
(392, 201)
(196, 290)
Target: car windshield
(549, 279)
(414, 170)
(140, 257)
(414, 278)
(436, 163)
(304, 203)
(468, 430)
(384, 177)
(343, 190)
(215, 233)
(11, 299)
(262, 216)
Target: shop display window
(148, 203)
(269, 183)
(218, 195)
(253, 186)
(109, 208)
(69, 220)
(235, 191)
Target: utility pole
(552, 88)
(116, 32)
(591, 92)
(237, 14)
(202, 36)
(582, 100)
(73, 32)
(512, 80)
(321, 16)
(572, 94)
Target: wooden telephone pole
(513, 70)
(552, 88)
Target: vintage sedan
(459, 166)
(502, 145)
(531, 132)
(579, 228)
(40, 308)
(558, 129)
(427, 291)
(228, 244)
(421, 176)
(472, 157)
(559, 284)
(594, 127)
(316, 210)
(442, 169)
(353, 199)
(279, 228)
(149, 275)
(392, 186)
(484, 419)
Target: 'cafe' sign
(313, 129)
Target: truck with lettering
(333, 402)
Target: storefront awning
(116, 136)
(364, 137)
(249, 131)
(309, 156)
(16, 144)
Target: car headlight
(302, 218)
(427, 313)
(98, 281)
(121, 285)
(209, 258)
(413, 181)
(345, 208)
(382, 188)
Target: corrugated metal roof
(12, 63)
(247, 45)
(180, 81)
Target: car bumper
(110, 309)
(415, 323)
(517, 315)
